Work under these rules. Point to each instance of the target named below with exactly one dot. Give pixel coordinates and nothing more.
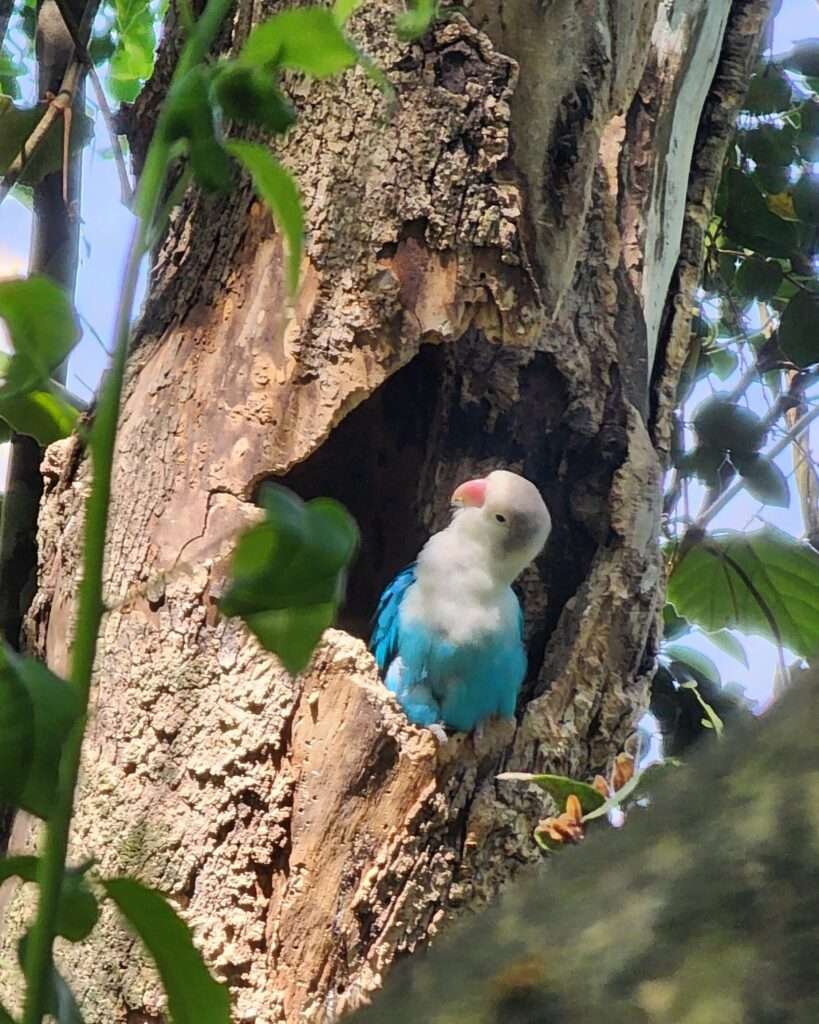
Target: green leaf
(637, 788)
(133, 59)
(342, 9)
(189, 116)
(277, 188)
(768, 92)
(799, 329)
(43, 415)
(37, 711)
(306, 39)
(560, 788)
(293, 633)
(804, 57)
(709, 585)
(764, 480)
(78, 911)
(194, 997)
(692, 658)
(749, 221)
(249, 95)
(415, 21)
(724, 425)
(723, 362)
(728, 643)
(806, 198)
(101, 48)
(289, 573)
(673, 625)
(17, 124)
(703, 462)
(42, 327)
(5, 1016)
(758, 278)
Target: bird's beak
(472, 494)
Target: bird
(448, 630)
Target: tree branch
(126, 189)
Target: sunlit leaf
(762, 582)
(415, 21)
(133, 59)
(306, 39)
(42, 327)
(43, 415)
(728, 643)
(194, 997)
(560, 788)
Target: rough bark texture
(704, 908)
(491, 278)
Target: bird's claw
(439, 732)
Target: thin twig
(126, 189)
(64, 98)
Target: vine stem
(51, 870)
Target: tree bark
(498, 272)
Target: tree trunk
(498, 272)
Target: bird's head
(506, 515)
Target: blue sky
(106, 229)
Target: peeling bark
(475, 292)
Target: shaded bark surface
(480, 288)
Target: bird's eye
(500, 518)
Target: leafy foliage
(42, 329)
(289, 573)
(132, 57)
(763, 582)
(756, 332)
(560, 788)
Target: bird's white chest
(458, 600)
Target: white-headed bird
(448, 632)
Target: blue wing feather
(384, 638)
(436, 681)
